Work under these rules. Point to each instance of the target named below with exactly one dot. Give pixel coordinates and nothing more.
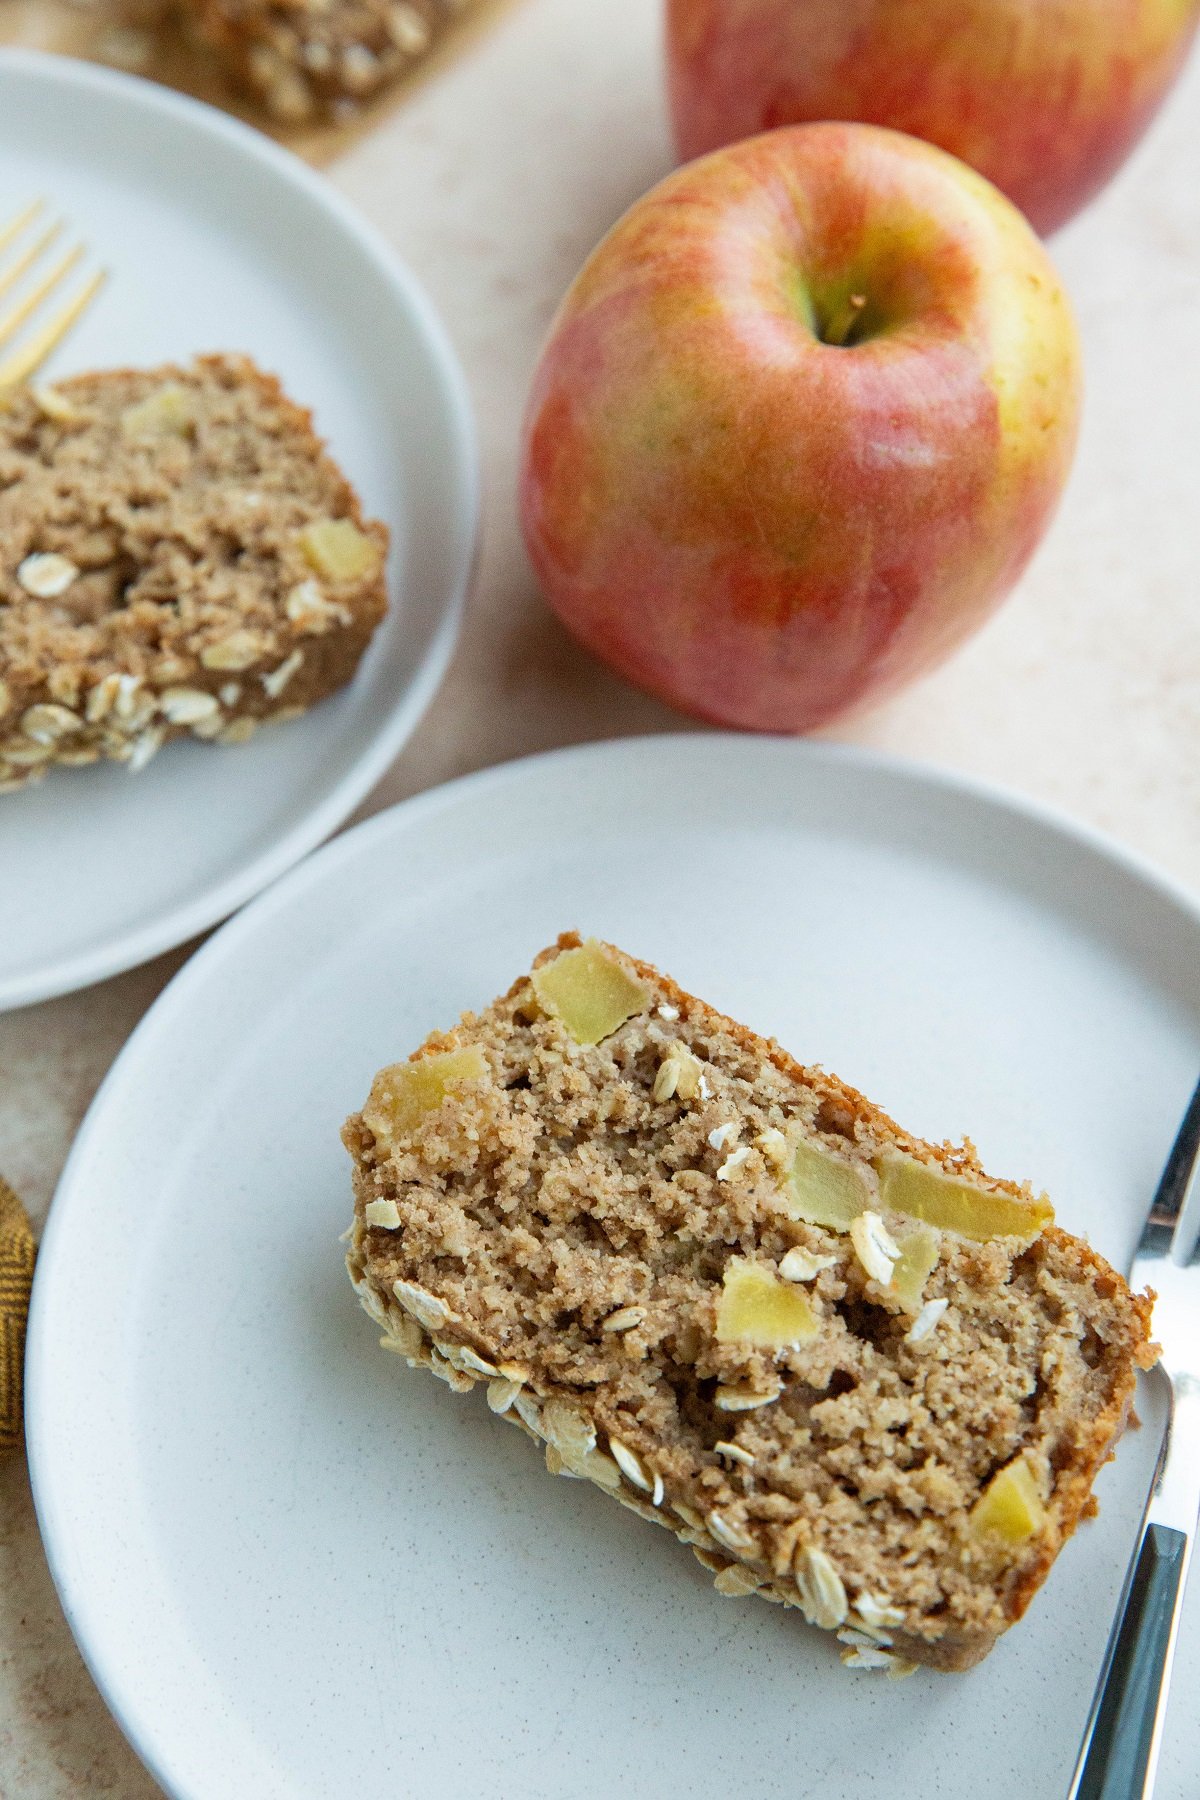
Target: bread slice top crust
(883, 1420)
(178, 553)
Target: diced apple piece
(337, 549)
(1010, 1507)
(589, 992)
(823, 1190)
(952, 1204)
(167, 412)
(402, 1094)
(757, 1308)
(918, 1259)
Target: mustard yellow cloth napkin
(16, 1279)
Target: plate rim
(83, 1615)
(130, 948)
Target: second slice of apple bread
(179, 557)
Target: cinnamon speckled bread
(178, 555)
(854, 1372)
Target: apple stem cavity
(841, 327)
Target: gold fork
(24, 241)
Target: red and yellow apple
(1044, 97)
(800, 422)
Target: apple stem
(839, 328)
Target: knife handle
(1124, 1744)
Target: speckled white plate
(298, 1569)
(217, 239)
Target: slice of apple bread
(178, 556)
(857, 1374)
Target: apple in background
(800, 422)
(1044, 97)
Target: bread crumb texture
(178, 557)
(854, 1372)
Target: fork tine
(13, 273)
(16, 316)
(1176, 1177)
(25, 361)
(16, 226)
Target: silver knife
(1118, 1759)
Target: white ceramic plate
(296, 1568)
(217, 239)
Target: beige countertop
(493, 178)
